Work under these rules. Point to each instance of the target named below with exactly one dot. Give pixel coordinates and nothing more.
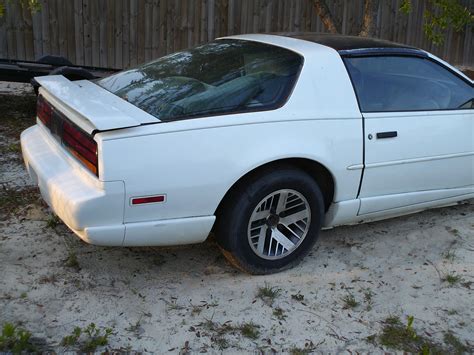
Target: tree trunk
(332, 24)
(370, 18)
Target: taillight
(77, 142)
(44, 111)
(81, 145)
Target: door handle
(390, 134)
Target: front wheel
(271, 221)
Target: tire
(252, 222)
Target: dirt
(189, 299)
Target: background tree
(439, 16)
(32, 5)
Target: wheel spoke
(261, 239)
(293, 218)
(282, 197)
(259, 215)
(282, 239)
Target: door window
(402, 83)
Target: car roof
(352, 45)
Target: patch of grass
(395, 335)
(301, 351)
(17, 112)
(53, 221)
(453, 231)
(87, 339)
(452, 279)
(268, 293)
(11, 148)
(24, 295)
(455, 345)
(72, 261)
(449, 255)
(250, 330)
(279, 313)
(13, 200)
(349, 301)
(368, 298)
(15, 340)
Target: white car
(264, 139)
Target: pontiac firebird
(263, 139)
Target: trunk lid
(91, 107)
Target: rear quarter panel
(196, 161)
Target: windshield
(224, 76)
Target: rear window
(224, 76)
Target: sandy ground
(189, 299)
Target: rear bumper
(94, 209)
(84, 203)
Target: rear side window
(225, 76)
(398, 83)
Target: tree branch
(332, 24)
(369, 21)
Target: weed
(250, 330)
(349, 301)
(173, 305)
(451, 312)
(11, 148)
(72, 261)
(298, 297)
(12, 200)
(300, 351)
(134, 327)
(23, 295)
(453, 231)
(53, 221)
(268, 294)
(18, 113)
(15, 340)
(401, 337)
(368, 298)
(87, 339)
(455, 345)
(279, 313)
(451, 279)
(449, 255)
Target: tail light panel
(80, 144)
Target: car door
(418, 128)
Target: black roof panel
(343, 42)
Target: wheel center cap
(273, 220)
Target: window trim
(374, 52)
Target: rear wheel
(271, 221)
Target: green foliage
(87, 339)
(451, 279)
(15, 340)
(456, 346)
(268, 293)
(401, 337)
(72, 261)
(441, 15)
(31, 5)
(349, 301)
(250, 330)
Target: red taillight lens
(44, 111)
(81, 146)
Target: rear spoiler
(90, 106)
